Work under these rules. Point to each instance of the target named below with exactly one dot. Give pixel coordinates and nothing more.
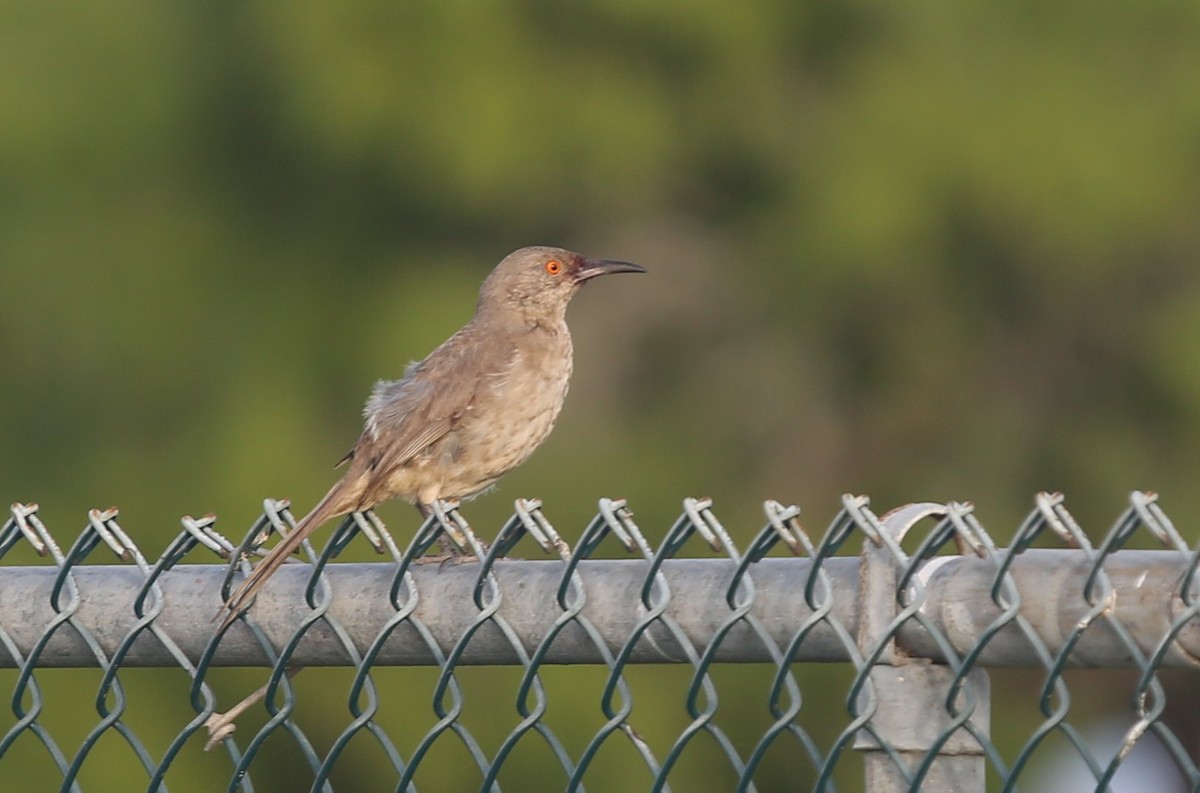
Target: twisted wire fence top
(786, 661)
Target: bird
(474, 409)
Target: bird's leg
(220, 725)
(447, 545)
(443, 540)
(451, 551)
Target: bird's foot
(220, 725)
(451, 553)
(449, 548)
(443, 559)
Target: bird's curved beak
(590, 268)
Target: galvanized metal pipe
(957, 601)
(1145, 600)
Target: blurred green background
(923, 251)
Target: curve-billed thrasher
(472, 411)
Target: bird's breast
(530, 390)
(517, 409)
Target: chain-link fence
(856, 662)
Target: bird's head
(541, 280)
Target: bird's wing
(398, 451)
(405, 416)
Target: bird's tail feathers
(240, 599)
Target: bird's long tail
(332, 505)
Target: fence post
(907, 695)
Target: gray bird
(472, 411)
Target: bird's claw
(220, 725)
(443, 559)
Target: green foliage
(923, 251)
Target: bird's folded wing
(404, 417)
(399, 451)
(409, 424)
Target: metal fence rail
(907, 611)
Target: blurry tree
(922, 251)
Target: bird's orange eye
(554, 267)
